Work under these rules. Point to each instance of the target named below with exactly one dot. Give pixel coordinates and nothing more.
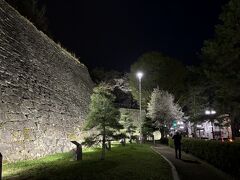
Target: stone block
(15, 117)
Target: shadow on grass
(86, 169)
(62, 166)
(130, 162)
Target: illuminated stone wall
(44, 91)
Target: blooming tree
(162, 110)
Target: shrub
(170, 142)
(223, 155)
(164, 141)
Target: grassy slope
(130, 162)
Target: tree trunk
(109, 145)
(103, 143)
(131, 135)
(162, 133)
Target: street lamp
(139, 76)
(211, 112)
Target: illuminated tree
(103, 116)
(162, 110)
(129, 128)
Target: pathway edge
(174, 171)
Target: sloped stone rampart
(44, 91)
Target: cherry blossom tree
(162, 110)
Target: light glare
(207, 112)
(213, 112)
(139, 75)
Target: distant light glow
(207, 112)
(139, 75)
(213, 112)
(181, 127)
(179, 122)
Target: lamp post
(211, 112)
(139, 76)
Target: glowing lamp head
(207, 112)
(139, 75)
(213, 112)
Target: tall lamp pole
(139, 76)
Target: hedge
(162, 141)
(223, 155)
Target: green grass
(129, 162)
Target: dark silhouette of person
(177, 143)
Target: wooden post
(1, 166)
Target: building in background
(215, 129)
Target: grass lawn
(130, 162)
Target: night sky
(114, 33)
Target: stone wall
(44, 91)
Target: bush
(170, 142)
(164, 141)
(223, 155)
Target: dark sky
(114, 33)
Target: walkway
(190, 167)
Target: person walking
(177, 144)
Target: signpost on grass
(78, 150)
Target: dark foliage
(101, 75)
(222, 62)
(34, 11)
(164, 140)
(223, 155)
(159, 71)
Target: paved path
(190, 167)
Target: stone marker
(79, 150)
